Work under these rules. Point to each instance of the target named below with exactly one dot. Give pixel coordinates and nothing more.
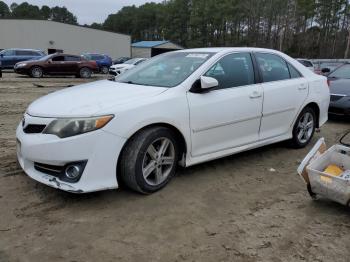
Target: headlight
(21, 65)
(76, 126)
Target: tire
(36, 72)
(304, 128)
(144, 166)
(85, 72)
(104, 70)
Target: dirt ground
(232, 209)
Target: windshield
(87, 57)
(166, 70)
(341, 72)
(44, 58)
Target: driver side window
(233, 70)
(59, 58)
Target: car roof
(230, 49)
(58, 54)
(24, 49)
(93, 54)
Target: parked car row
(36, 63)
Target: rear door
(230, 115)
(23, 55)
(71, 63)
(285, 91)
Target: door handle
(302, 87)
(255, 94)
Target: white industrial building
(50, 36)
(147, 49)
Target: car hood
(339, 86)
(90, 99)
(122, 66)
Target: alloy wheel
(305, 127)
(37, 72)
(158, 161)
(85, 73)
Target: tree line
(301, 28)
(28, 11)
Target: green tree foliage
(4, 10)
(28, 11)
(302, 28)
(61, 14)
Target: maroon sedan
(57, 64)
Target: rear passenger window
(233, 70)
(72, 58)
(23, 53)
(293, 72)
(272, 67)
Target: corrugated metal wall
(44, 35)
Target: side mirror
(325, 70)
(49, 61)
(204, 84)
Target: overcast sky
(87, 11)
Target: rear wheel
(304, 128)
(149, 160)
(85, 72)
(36, 72)
(104, 70)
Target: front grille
(34, 129)
(49, 169)
(335, 98)
(59, 171)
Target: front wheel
(104, 70)
(36, 72)
(85, 72)
(149, 160)
(304, 128)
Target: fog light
(73, 171)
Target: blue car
(104, 62)
(10, 57)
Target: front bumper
(339, 105)
(21, 70)
(114, 72)
(99, 148)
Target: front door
(57, 65)
(230, 115)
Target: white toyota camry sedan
(179, 108)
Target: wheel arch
(316, 109)
(41, 67)
(179, 137)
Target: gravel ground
(232, 209)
